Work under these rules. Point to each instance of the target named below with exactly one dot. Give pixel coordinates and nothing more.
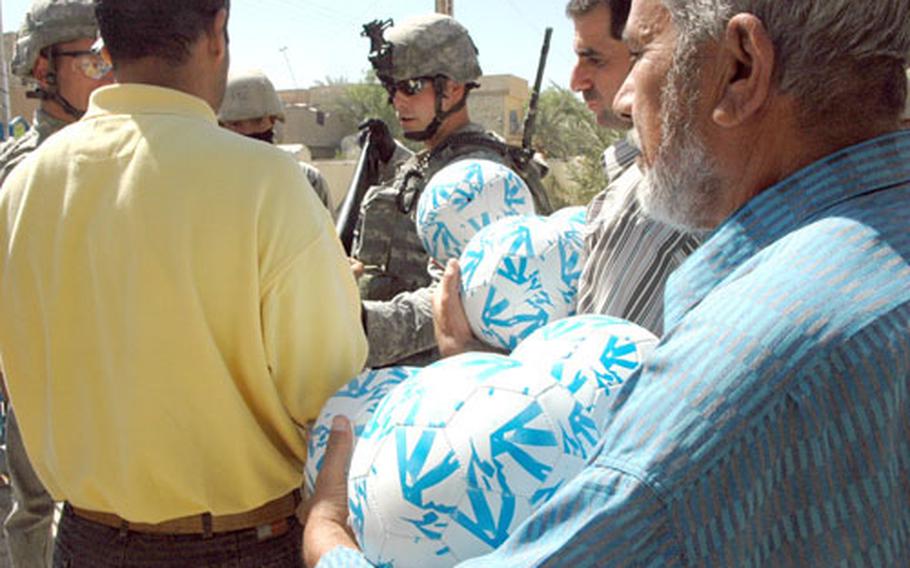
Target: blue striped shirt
(771, 426)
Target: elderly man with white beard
(770, 426)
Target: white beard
(681, 187)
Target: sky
(298, 43)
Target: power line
(284, 52)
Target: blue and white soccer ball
(464, 197)
(518, 275)
(356, 400)
(575, 216)
(456, 458)
(591, 355)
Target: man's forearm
(321, 539)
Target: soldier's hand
(450, 322)
(326, 514)
(356, 267)
(380, 136)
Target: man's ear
(453, 92)
(749, 60)
(218, 34)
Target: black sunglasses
(408, 87)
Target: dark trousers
(85, 544)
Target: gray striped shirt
(628, 256)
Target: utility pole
(4, 82)
(446, 7)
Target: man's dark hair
(619, 12)
(134, 29)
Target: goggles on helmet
(408, 87)
(91, 64)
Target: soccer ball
(462, 198)
(456, 458)
(356, 400)
(575, 216)
(591, 355)
(519, 274)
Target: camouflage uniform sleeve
(320, 186)
(401, 327)
(14, 151)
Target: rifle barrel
(350, 208)
(531, 118)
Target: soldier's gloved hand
(380, 136)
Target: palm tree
(567, 130)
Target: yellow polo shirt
(172, 308)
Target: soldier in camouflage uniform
(251, 107)
(428, 65)
(52, 54)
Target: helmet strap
(50, 93)
(53, 95)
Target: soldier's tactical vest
(386, 238)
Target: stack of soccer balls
(456, 455)
(464, 197)
(519, 271)
(451, 458)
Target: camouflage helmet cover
(430, 45)
(49, 22)
(250, 95)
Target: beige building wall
(338, 174)
(321, 132)
(499, 105)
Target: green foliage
(567, 130)
(364, 100)
(330, 81)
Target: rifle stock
(364, 176)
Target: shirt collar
(619, 156)
(875, 165)
(135, 98)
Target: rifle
(367, 170)
(523, 156)
(365, 174)
(531, 117)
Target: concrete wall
(338, 174)
(499, 105)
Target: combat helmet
(47, 23)
(432, 46)
(250, 95)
